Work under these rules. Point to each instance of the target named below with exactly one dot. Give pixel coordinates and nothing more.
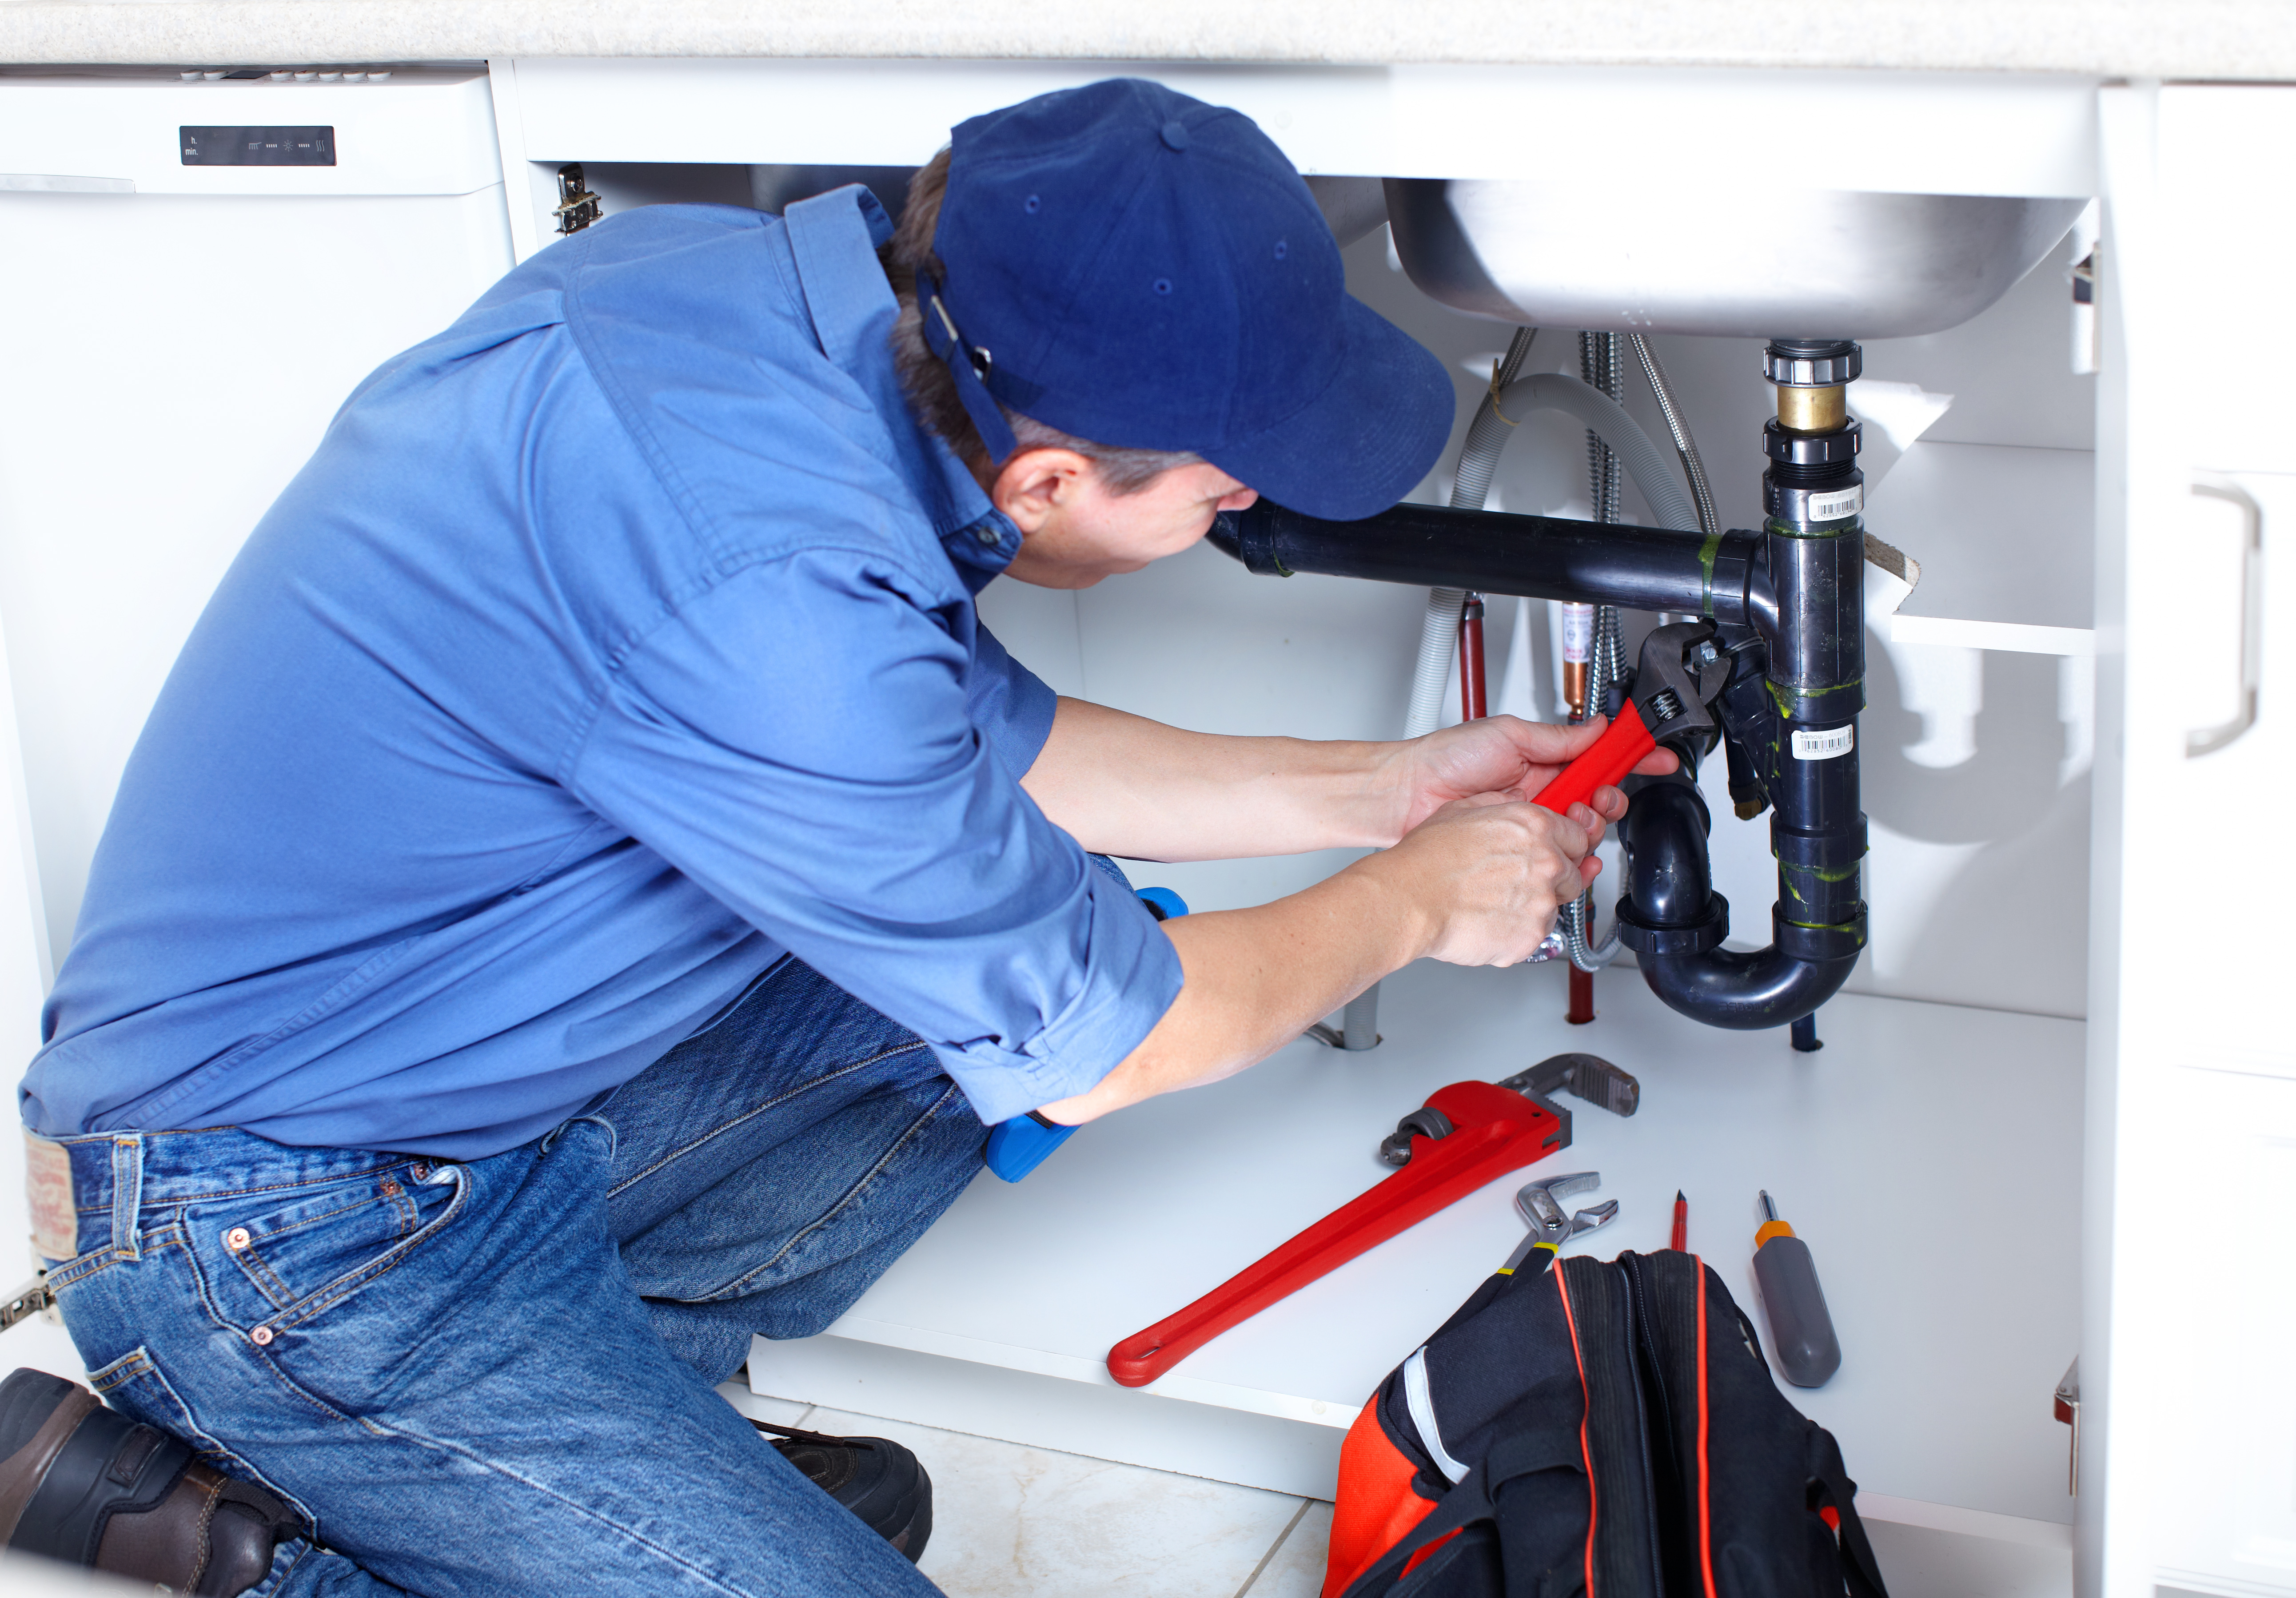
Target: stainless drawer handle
(2210, 740)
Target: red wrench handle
(1618, 751)
(1498, 1132)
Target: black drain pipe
(1545, 557)
(1791, 597)
(1801, 734)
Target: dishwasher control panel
(258, 146)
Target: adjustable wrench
(1681, 672)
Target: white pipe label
(1578, 633)
(1824, 745)
(1839, 505)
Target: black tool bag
(1604, 1428)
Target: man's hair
(932, 387)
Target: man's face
(1074, 531)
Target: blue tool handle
(1162, 902)
(1020, 1145)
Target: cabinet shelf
(2005, 536)
(1888, 1151)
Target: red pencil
(1681, 1223)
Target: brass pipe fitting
(1813, 410)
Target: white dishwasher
(197, 265)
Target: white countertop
(2248, 39)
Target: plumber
(591, 880)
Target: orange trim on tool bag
(1586, 1406)
(1705, 1477)
(1377, 1506)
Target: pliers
(1551, 1226)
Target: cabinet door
(2226, 1513)
(2227, 196)
(2189, 1339)
(2218, 867)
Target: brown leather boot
(87, 1485)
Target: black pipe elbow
(1675, 923)
(1744, 991)
(1669, 884)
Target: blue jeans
(496, 1377)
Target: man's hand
(1484, 876)
(1478, 882)
(1500, 756)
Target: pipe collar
(1644, 938)
(1836, 849)
(1818, 945)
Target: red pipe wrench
(1679, 675)
(1467, 1135)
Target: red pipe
(1471, 660)
(1581, 1007)
(1582, 997)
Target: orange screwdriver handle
(1618, 751)
(1498, 1131)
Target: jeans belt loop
(127, 1193)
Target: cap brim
(1364, 442)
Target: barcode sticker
(1824, 745)
(1838, 504)
(1578, 633)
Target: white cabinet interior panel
(1882, 1149)
(1976, 742)
(2004, 535)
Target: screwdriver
(1801, 1332)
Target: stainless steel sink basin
(1630, 258)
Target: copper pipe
(1471, 660)
(1582, 997)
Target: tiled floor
(1011, 1521)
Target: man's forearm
(1255, 979)
(1122, 784)
(1476, 879)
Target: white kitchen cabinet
(1918, 1122)
(2189, 1342)
(1990, 1192)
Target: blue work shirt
(615, 640)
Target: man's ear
(1034, 483)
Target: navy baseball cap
(1148, 272)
